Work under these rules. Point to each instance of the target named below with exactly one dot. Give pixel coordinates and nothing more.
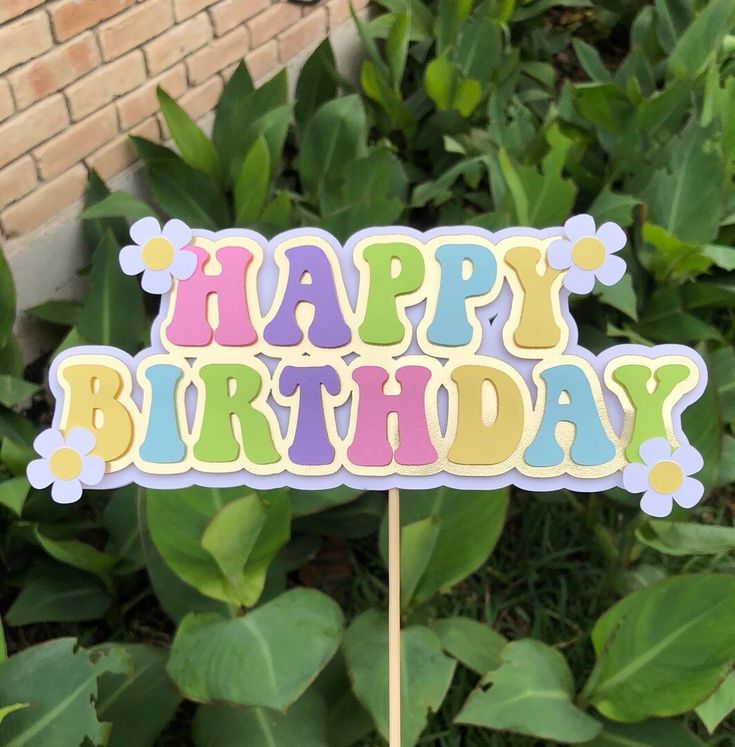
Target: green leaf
(231, 109)
(474, 644)
(396, 46)
(334, 136)
(120, 519)
(76, 554)
(426, 673)
(56, 312)
(304, 724)
(719, 705)
(591, 62)
(58, 594)
(527, 10)
(449, 89)
(118, 205)
(613, 206)
(7, 301)
(13, 493)
(7, 710)
(99, 320)
(681, 538)
(700, 42)
(306, 502)
(531, 693)
(193, 144)
(620, 296)
(253, 183)
(655, 732)
(59, 682)
(418, 541)
(469, 523)
(286, 643)
(317, 83)
(140, 702)
(662, 650)
(15, 391)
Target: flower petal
(93, 470)
(690, 493)
(156, 281)
(184, 264)
(611, 270)
(655, 450)
(81, 440)
(688, 458)
(579, 227)
(612, 236)
(48, 441)
(66, 491)
(559, 254)
(655, 504)
(144, 229)
(177, 232)
(635, 478)
(131, 259)
(579, 281)
(39, 473)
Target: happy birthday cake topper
(401, 359)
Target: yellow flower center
(588, 253)
(65, 464)
(158, 253)
(666, 477)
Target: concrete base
(46, 263)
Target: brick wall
(77, 75)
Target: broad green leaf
(267, 658)
(231, 108)
(531, 693)
(702, 423)
(699, 43)
(56, 312)
(532, 8)
(470, 523)
(304, 724)
(449, 89)
(719, 705)
(7, 710)
(620, 296)
(334, 136)
(396, 46)
(663, 319)
(3, 644)
(418, 541)
(277, 214)
(7, 301)
(252, 186)
(317, 83)
(15, 455)
(591, 62)
(13, 493)
(95, 229)
(118, 205)
(613, 206)
(603, 104)
(100, 320)
(655, 732)
(15, 391)
(58, 594)
(120, 518)
(194, 146)
(662, 650)
(59, 682)
(474, 644)
(140, 702)
(426, 673)
(682, 538)
(76, 554)
(306, 502)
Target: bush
(589, 622)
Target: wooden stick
(394, 617)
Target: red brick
(186, 8)
(339, 12)
(271, 22)
(76, 142)
(45, 203)
(175, 44)
(7, 107)
(71, 17)
(230, 13)
(32, 127)
(139, 104)
(24, 39)
(54, 70)
(202, 99)
(118, 155)
(263, 60)
(135, 26)
(308, 31)
(203, 64)
(17, 180)
(14, 8)
(105, 84)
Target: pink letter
(189, 325)
(370, 446)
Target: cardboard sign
(401, 359)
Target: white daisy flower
(66, 464)
(588, 254)
(159, 254)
